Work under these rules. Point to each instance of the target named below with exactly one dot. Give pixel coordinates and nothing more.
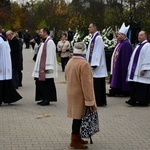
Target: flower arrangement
(76, 38)
(109, 44)
(87, 39)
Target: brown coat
(80, 92)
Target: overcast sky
(24, 1)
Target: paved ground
(27, 126)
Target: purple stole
(43, 62)
(119, 45)
(92, 47)
(3, 37)
(135, 60)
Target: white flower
(75, 38)
(108, 44)
(87, 39)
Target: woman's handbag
(89, 124)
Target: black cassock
(8, 94)
(140, 93)
(45, 90)
(100, 91)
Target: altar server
(45, 70)
(96, 57)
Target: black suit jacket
(15, 52)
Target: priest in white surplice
(139, 72)
(96, 57)
(8, 94)
(45, 70)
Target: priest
(45, 70)
(119, 64)
(139, 72)
(8, 94)
(96, 57)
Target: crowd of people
(120, 82)
(85, 72)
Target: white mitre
(124, 29)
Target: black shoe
(101, 105)
(131, 103)
(44, 103)
(40, 102)
(110, 95)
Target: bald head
(9, 34)
(142, 36)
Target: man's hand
(49, 71)
(142, 73)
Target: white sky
(24, 1)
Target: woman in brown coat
(80, 92)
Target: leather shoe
(44, 103)
(40, 102)
(131, 103)
(101, 105)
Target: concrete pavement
(26, 126)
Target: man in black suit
(15, 56)
(27, 37)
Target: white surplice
(98, 57)
(51, 60)
(5, 60)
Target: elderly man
(139, 72)
(119, 64)
(96, 57)
(15, 56)
(7, 92)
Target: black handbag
(89, 124)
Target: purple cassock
(121, 60)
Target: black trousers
(76, 123)
(140, 93)
(20, 78)
(100, 91)
(64, 61)
(15, 77)
(27, 43)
